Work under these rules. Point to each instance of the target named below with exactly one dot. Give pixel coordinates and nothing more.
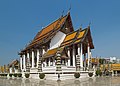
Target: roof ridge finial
(80, 27)
(69, 9)
(62, 13)
(89, 23)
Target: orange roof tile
(39, 39)
(81, 34)
(70, 36)
(112, 66)
(51, 27)
(93, 60)
(48, 30)
(77, 41)
(66, 43)
(74, 37)
(14, 62)
(2, 69)
(52, 52)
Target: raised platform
(52, 74)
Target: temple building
(114, 68)
(13, 66)
(59, 35)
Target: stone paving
(96, 81)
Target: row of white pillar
(80, 53)
(49, 63)
(23, 59)
(79, 50)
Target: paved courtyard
(97, 81)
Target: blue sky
(20, 20)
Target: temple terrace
(58, 51)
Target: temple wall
(10, 69)
(57, 40)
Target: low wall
(52, 74)
(63, 75)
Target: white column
(116, 73)
(81, 56)
(85, 60)
(21, 63)
(37, 56)
(28, 58)
(43, 52)
(53, 62)
(68, 56)
(24, 66)
(90, 59)
(66, 62)
(28, 55)
(73, 56)
(33, 62)
(78, 49)
(88, 55)
(49, 62)
(63, 62)
(45, 63)
(42, 65)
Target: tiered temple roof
(53, 52)
(114, 67)
(72, 37)
(78, 37)
(94, 61)
(75, 37)
(14, 62)
(48, 32)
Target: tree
(101, 61)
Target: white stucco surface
(57, 40)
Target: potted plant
(90, 74)
(4, 74)
(98, 72)
(10, 75)
(41, 75)
(76, 74)
(19, 75)
(107, 73)
(27, 75)
(0, 74)
(15, 74)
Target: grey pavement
(96, 81)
